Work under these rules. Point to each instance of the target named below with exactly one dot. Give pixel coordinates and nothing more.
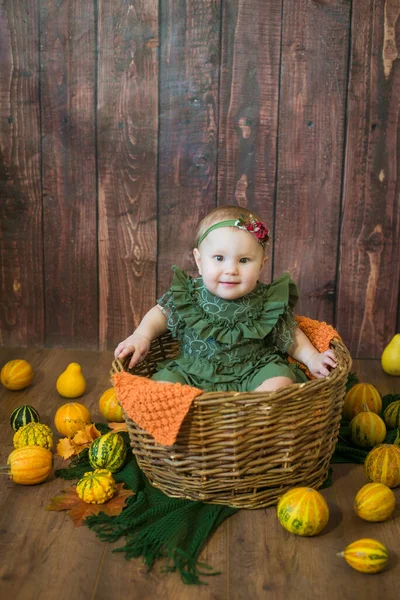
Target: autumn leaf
(66, 448)
(78, 510)
(118, 426)
(86, 435)
(82, 439)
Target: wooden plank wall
(123, 123)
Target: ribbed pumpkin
(375, 502)
(108, 452)
(367, 429)
(30, 465)
(109, 406)
(366, 555)
(359, 394)
(96, 487)
(382, 465)
(16, 374)
(303, 511)
(22, 415)
(33, 434)
(391, 416)
(71, 417)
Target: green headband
(250, 224)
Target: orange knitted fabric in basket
(320, 335)
(158, 408)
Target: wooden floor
(44, 557)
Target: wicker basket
(244, 449)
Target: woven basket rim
(119, 366)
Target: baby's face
(230, 261)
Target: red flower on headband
(257, 228)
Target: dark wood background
(123, 123)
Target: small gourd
(382, 465)
(96, 487)
(303, 511)
(16, 374)
(109, 406)
(367, 429)
(108, 452)
(391, 357)
(33, 434)
(29, 465)
(22, 415)
(375, 502)
(391, 416)
(359, 394)
(366, 555)
(71, 417)
(71, 383)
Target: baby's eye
(244, 260)
(219, 258)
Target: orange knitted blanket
(159, 408)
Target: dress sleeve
(168, 304)
(283, 332)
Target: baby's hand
(321, 364)
(136, 343)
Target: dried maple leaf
(82, 439)
(65, 448)
(118, 426)
(78, 510)
(86, 435)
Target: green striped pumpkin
(367, 429)
(22, 415)
(108, 452)
(391, 416)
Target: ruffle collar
(250, 317)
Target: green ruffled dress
(229, 345)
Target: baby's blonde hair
(223, 213)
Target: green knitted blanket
(155, 526)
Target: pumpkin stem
(340, 554)
(365, 407)
(397, 438)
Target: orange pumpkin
(30, 465)
(16, 375)
(359, 394)
(71, 417)
(109, 406)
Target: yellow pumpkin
(303, 511)
(359, 394)
(71, 383)
(33, 434)
(16, 375)
(70, 418)
(382, 465)
(375, 502)
(366, 555)
(391, 357)
(109, 406)
(30, 465)
(367, 429)
(96, 487)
